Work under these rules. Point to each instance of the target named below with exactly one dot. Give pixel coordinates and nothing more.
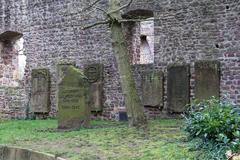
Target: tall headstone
(40, 93)
(178, 88)
(94, 73)
(207, 79)
(73, 98)
(152, 88)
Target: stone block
(178, 88)
(73, 98)
(40, 93)
(94, 73)
(41, 156)
(96, 96)
(152, 89)
(8, 153)
(207, 79)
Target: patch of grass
(106, 140)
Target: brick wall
(184, 31)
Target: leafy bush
(215, 123)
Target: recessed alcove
(12, 58)
(139, 33)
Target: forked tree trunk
(133, 103)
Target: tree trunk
(133, 103)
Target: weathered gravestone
(178, 88)
(40, 93)
(73, 98)
(94, 73)
(152, 89)
(207, 79)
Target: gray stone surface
(178, 88)
(152, 89)
(94, 73)
(73, 98)
(40, 93)
(14, 153)
(207, 79)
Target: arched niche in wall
(12, 58)
(139, 33)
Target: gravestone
(73, 98)
(178, 88)
(40, 93)
(152, 88)
(94, 73)
(207, 79)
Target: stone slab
(94, 73)
(96, 96)
(73, 98)
(40, 93)
(178, 88)
(8, 153)
(152, 89)
(207, 79)
(13, 153)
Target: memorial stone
(178, 88)
(73, 98)
(207, 79)
(40, 93)
(94, 73)
(152, 89)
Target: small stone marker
(152, 89)
(73, 98)
(207, 79)
(94, 73)
(40, 96)
(178, 88)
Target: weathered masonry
(36, 36)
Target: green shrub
(215, 123)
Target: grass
(106, 140)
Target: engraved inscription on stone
(73, 98)
(178, 88)
(40, 93)
(152, 89)
(207, 79)
(94, 73)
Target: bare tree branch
(91, 5)
(136, 20)
(96, 24)
(104, 11)
(121, 8)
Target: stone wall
(12, 100)
(184, 31)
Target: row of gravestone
(77, 90)
(207, 84)
(40, 93)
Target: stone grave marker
(152, 88)
(178, 88)
(40, 93)
(73, 98)
(207, 79)
(94, 73)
